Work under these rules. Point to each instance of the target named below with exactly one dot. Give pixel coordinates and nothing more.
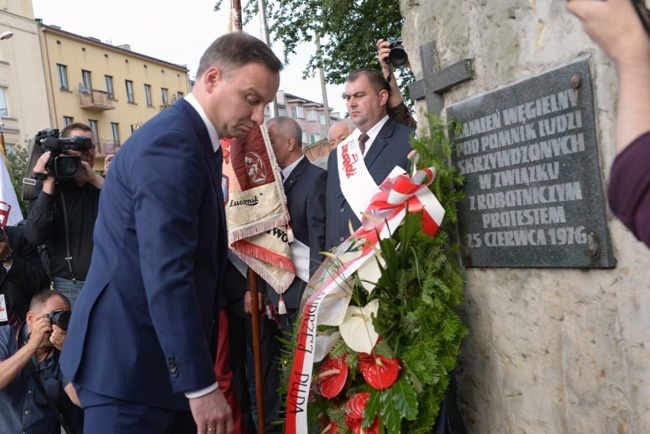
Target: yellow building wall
(79, 53)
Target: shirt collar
(287, 170)
(212, 131)
(372, 133)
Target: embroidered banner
(256, 208)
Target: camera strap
(68, 256)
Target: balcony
(107, 147)
(97, 100)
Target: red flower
(330, 428)
(354, 414)
(332, 376)
(379, 371)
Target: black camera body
(60, 318)
(60, 164)
(397, 56)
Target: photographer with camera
(63, 211)
(391, 54)
(621, 29)
(31, 383)
(21, 273)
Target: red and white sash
(356, 182)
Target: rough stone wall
(549, 350)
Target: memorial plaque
(533, 187)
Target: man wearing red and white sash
(355, 170)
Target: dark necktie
(363, 138)
(218, 155)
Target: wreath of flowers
(387, 364)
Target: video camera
(60, 318)
(397, 55)
(60, 164)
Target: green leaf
(405, 399)
(372, 407)
(389, 414)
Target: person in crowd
(304, 186)
(37, 342)
(395, 105)
(339, 132)
(620, 28)
(383, 144)
(21, 274)
(156, 275)
(62, 216)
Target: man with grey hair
(339, 132)
(140, 349)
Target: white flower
(357, 330)
(324, 344)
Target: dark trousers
(105, 415)
(241, 337)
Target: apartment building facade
(23, 95)
(111, 88)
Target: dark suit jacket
(305, 191)
(390, 148)
(140, 328)
(26, 276)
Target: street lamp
(6, 35)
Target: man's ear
(383, 96)
(212, 77)
(291, 144)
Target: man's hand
(382, 55)
(58, 337)
(39, 167)
(41, 330)
(212, 413)
(89, 175)
(247, 302)
(107, 162)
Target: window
(180, 95)
(129, 91)
(313, 138)
(92, 123)
(322, 119)
(88, 84)
(67, 120)
(63, 77)
(109, 86)
(147, 94)
(304, 137)
(312, 115)
(115, 132)
(165, 95)
(4, 111)
(296, 112)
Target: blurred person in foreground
(140, 349)
(620, 28)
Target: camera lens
(60, 318)
(398, 56)
(67, 166)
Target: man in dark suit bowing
(377, 145)
(138, 349)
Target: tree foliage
(348, 30)
(18, 160)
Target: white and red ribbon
(396, 196)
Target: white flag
(10, 212)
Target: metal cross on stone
(435, 82)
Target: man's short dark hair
(65, 132)
(288, 128)
(41, 297)
(376, 79)
(234, 50)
